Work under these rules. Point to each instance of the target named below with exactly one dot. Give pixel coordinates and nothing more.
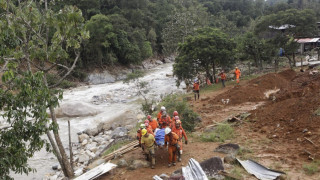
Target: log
(310, 141)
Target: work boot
(174, 163)
(179, 159)
(169, 165)
(152, 167)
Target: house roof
(307, 40)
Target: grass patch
(317, 112)
(115, 147)
(311, 168)
(221, 133)
(237, 172)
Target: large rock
(92, 131)
(76, 109)
(122, 163)
(212, 166)
(101, 78)
(82, 137)
(136, 164)
(83, 158)
(119, 132)
(228, 148)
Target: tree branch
(69, 71)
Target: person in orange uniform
(223, 77)
(152, 122)
(148, 127)
(196, 89)
(238, 74)
(173, 120)
(160, 113)
(181, 133)
(170, 143)
(148, 142)
(164, 120)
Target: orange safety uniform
(238, 74)
(196, 86)
(154, 124)
(181, 133)
(223, 76)
(149, 130)
(159, 115)
(139, 135)
(164, 121)
(172, 140)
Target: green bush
(187, 116)
(221, 133)
(52, 79)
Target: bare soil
(282, 131)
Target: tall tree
(208, 48)
(42, 42)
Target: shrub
(221, 133)
(187, 115)
(311, 168)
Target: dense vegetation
(127, 32)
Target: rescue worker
(170, 143)
(173, 121)
(142, 126)
(164, 120)
(152, 122)
(223, 77)
(238, 74)
(148, 142)
(208, 81)
(196, 89)
(160, 113)
(181, 133)
(148, 127)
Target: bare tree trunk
(63, 153)
(70, 147)
(214, 72)
(56, 152)
(290, 61)
(294, 59)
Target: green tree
(37, 40)
(207, 49)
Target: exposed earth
(282, 132)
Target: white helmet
(167, 130)
(163, 108)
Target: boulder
(84, 142)
(119, 132)
(92, 131)
(55, 167)
(76, 109)
(93, 149)
(228, 148)
(98, 139)
(167, 60)
(158, 62)
(101, 78)
(78, 172)
(212, 166)
(91, 145)
(83, 158)
(122, 163)
(82, 137)
(136, 164)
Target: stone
(78, 172)
(54, 177)
(76, 109)
(119, 132)
(122, 163)
(91, 145)
(92, 131)
(83, 158)
(129, 127)
(98, 139)
(55, 167)
(101, 78)
(158, 62)
(229, 159)
(93, 149)
(164, 176)
(228, 148)
(136, 164)
(198, 119)
(108, 132)
(212, 166)
(85, 142)
(82, 137)
(90, 154)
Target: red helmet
(175, 113)
(176, 118)
(148, 117)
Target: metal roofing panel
(307, 40)
(259, 171)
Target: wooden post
(70, 147)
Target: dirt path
(272, 135)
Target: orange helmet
(175, 113)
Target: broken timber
(129, 147)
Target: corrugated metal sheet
(307, 40)
(96, 172)
(260, 171)
(193, 171)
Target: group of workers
(174, 133)
(223, 77)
